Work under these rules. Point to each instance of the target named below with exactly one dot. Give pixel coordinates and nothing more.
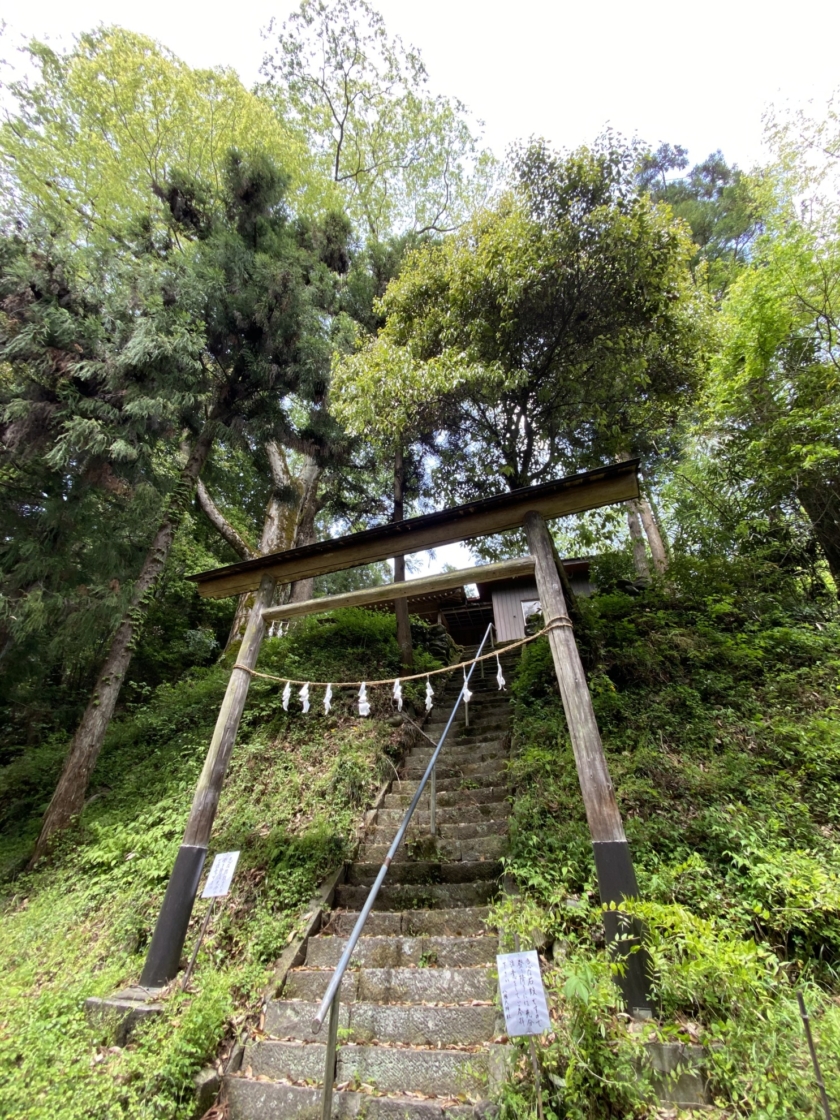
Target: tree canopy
(105, 126)
(573, 297)
(404, 158)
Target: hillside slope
(80, 925)
(721, 721)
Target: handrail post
(433, 802)
(329, 1065)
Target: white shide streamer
(430, 696)
(304, 698)
(398, 696)
(364, 705)
(287, 693)
(467, 693)
(328, 699)
(500, 676)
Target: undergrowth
(79, 925)
(721, 724)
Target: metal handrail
(330, 1002)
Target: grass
(80, 924)
(721, 726)
(721, 723)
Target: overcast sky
(695, 74)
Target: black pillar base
(616, 882)
(164, 954)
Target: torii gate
(528, 509)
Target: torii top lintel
(603, 486)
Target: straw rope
(555, 624)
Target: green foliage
(719, 203)
(215, 327)
(573, 299)
(111, 121)
(773, 400)
(80, 925)
(719, 716)
(403, 158)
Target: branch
(225, 530)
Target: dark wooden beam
(367, 596)
(601, 487)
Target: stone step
(424, 873)
(472, 850)
(274, 1100)
(432, 896)
(464, 814)
(462, 830)
(447, 768)
(445, 1073)
(461, 737)
(403, 952)
(481, 711)
(468, 738)
(496, 777)
(395, 985)
(463, 922)
(484, 700)
(446, 799)
(483, 749)
(413, 1024)
(485, 724)
(455, 755)
(485, 691)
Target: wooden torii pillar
(526, 508)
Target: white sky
(695, 74)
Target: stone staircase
(418, 1010)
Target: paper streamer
(287, 694)
(328, 699)
(364, 706)
(304, 698)
(467, 693)
(499, 676)
(398, 694)
(430, 696)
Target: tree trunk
(69, 796)
(637, 536)
(401, 605)
(821, 502)
(657, 545)
(277, 532)
(220, 523)
(310, 478)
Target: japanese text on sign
(221, 874)
(523, 994)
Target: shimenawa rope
(555, 624)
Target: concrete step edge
(275, 1100)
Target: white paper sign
(523, 994)
(221, 874)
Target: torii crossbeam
(527, 509)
